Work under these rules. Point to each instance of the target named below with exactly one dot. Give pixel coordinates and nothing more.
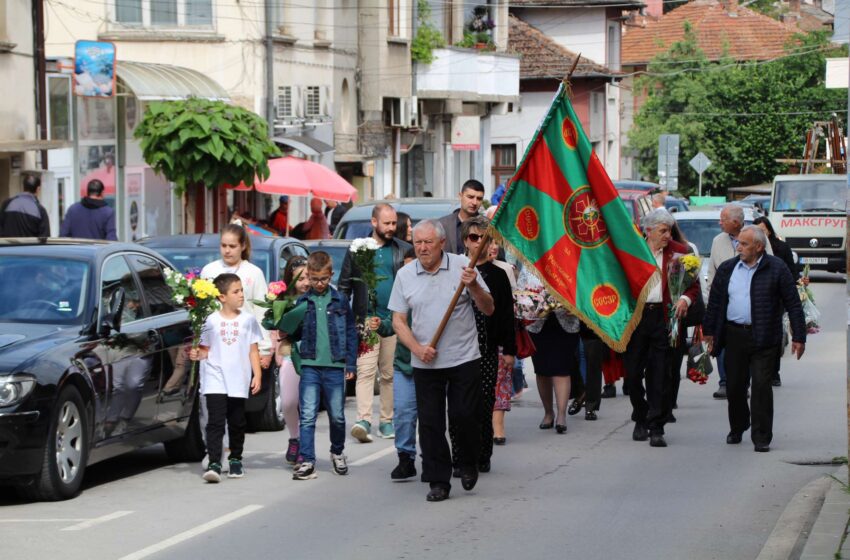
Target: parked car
(759, 201)
(638, 203)
(630, 185)
(270, 254)
(357, 222)
(89, 341)
(336, 248)
(676, 204)
(700, 228)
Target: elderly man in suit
(744, 316)
(648, 352)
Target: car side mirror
(114, 310)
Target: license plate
(814, 260)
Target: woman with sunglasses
(494, 333)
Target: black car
(270, 254)
(92, 362)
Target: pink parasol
(300, 177)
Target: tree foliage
(741, 115)
(196, 141)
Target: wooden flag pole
(569, 75)
(473, 260)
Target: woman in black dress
(493, 332)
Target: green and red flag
(563, 217)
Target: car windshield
(43, 289)
(701, 232)
(810, 196)
(185, 259)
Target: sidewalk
(828, 537)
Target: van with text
(810, 213)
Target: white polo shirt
(426, 296)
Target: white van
(810, 213)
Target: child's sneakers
(213, 473)
(360, 431)
(306, 471)
(340, 464)
(236, 470)
(292, 451)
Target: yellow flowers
(691, 263)
(204, 289)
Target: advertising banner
(94, 69)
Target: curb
(828, 532)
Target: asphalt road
(591, 493)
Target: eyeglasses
(476, 237)
(322, 280)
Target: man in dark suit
(744, 315)
(471, 197)
(647, 354)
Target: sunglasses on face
(475, 237)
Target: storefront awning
(158, 82)
(18, 146)
(304, 144)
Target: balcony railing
(469, 75)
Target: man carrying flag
(562, 215)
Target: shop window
(164, 13)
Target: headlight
(15, 388)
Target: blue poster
(94, 69)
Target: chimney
(654, 8)
(793, 14)
(730, 6)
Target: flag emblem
(528, 223)
(583, 220)
(605, 299)
(569, 132)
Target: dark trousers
(743, 360)
(222, 408)
(677, 356)
(460, 386)
(594, 354)
(647, 356)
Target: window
(614, 46)
(394, 13)
(156, 291)
(59, 103)
(312, 101)
(116, 274)
(503, 164)
(164, 13)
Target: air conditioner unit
(396, 112)
(285, 103)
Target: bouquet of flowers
(363, 252)
(533, 303)
(807, 298)
(199, 297)
(699, 362)
(276, 303)
(681, 272)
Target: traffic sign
(668, 161)
(700, 162)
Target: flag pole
(473, 260)
(566, 80)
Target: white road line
(191, 533)
(44, 520)
(96, 521)
(374, 456)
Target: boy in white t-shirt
(231, 367)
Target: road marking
(44, 520)
(192, 533)
(373, 457)
(89, 523)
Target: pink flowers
(275, 289)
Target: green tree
(743, 116)
(201, 142)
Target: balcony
(469, 75)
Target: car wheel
(190, 447)
(66, 450)
(270, 418)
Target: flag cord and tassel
(473, 261)
(567, 90)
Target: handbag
(695, 351)
(524, 345)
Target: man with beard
(471, 197)
(388, 260)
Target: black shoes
(406, 467)
(657, 440)
(776, 381)
(469, 478)
(547, 425)
(671, 419)
(640, 433)
(438, 493)
(734, 438)
(720, 393)
(561, 428)
(575, 406)
(499, 441)
(484, 466)
(609, 391)
(590, 415)
(455, 472)
(761, 447)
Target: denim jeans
(404, 413)
(316, 381)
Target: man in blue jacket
(90, 218)
(744, 315)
